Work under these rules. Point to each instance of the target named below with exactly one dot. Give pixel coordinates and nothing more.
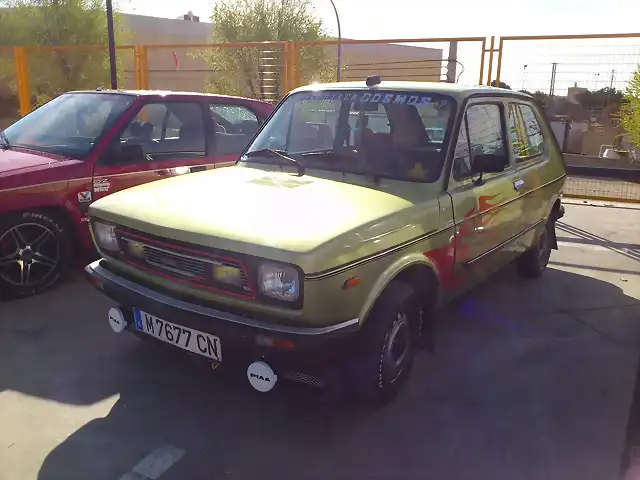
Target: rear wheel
(386, 352)
(533, 262)
(35, 253)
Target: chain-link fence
(602, 188)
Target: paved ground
(530, 380)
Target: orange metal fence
(555, 63)
(414, 59)
(250, 69)
(268, 70)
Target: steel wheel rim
(396, 348)
(29, 254)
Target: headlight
(104, 235)
(279, 281)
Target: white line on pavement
(584, 245)
(155, 464)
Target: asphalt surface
(529, 380)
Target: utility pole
(613, 76)
(112, 46)
(552, 86)
(595, 84)
(339, 38)
(452, 62)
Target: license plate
(183, 337)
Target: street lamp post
(112, 46)
(339, 38)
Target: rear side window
(526, 136)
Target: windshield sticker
(101, 184)
(370, 97)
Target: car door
(486, 211)
(532, 156)
(235, 125)
(165, 138)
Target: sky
(587, 63)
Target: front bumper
(315, 348)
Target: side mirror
(123, 154)
(489, 163)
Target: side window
(526, 137)
(234, 126)
(167, 131)
(480, 133)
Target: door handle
(518, 185)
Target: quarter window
(480, 133)
(526, 137)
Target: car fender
(549, 207)
(392, 272)
(54, 200)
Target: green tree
(236, 71)
(540, 97)
(630, 110)
(600, 99)
(58, 23)
(494, 83)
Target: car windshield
(68, 125)
(393, 134)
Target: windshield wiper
(6, 144)
(270, 152)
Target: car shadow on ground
(528, 380)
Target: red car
(82, 146)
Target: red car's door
(166, 137)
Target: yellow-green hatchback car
(356, 210)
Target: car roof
(164, 93)
(453, 89)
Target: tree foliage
(630, 110)
(541, 98)
(237, 70)
(600, 99)
(494, 83)
(57, 23)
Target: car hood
(17, 160)
(270, 214)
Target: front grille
(183, 264)
(307, 379)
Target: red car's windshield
(70, 124)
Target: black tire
(35, 253)
(371, 376)
(533, 262)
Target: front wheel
(35, 252)
(533, 262)
(386, 350)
